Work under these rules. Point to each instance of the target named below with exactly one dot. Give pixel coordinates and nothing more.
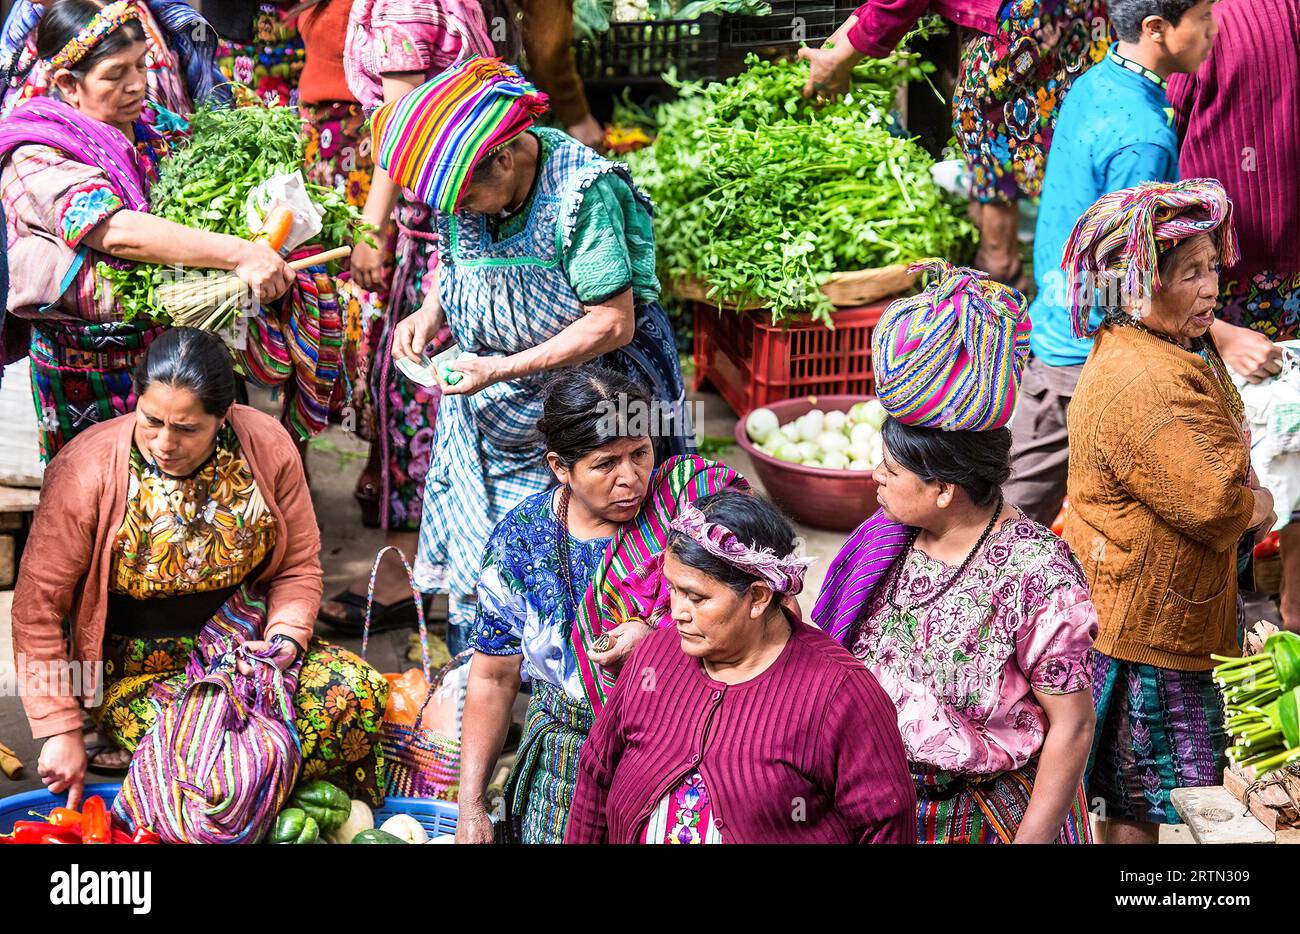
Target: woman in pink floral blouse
(975, 619)
(977, 625)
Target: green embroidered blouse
(613, 239)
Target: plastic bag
(1273, 411)
(406, 692)
(288, 189)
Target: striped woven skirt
(1157, 730)
(953, 809)
(539, 792)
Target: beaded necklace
(934, 597)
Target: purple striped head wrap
(784, 574)
(950, 356)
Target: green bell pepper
(294, 825)
(330, 806)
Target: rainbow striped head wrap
(1123, 234)
(101, 24)
(430, 139)
(950, 357)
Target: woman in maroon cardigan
(741, 724)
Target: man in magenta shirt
(1015, 73)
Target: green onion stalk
(1260, 679)
(1267, 738)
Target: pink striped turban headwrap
(430, 139)
(950, 357)
(1123, 234)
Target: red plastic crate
(753, 362)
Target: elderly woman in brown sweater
(187, 517)
(1161, 492)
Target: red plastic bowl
(839, 500)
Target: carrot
(276, 227)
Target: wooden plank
(18, 499)
(1214, 816)
(844, 289)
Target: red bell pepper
(95, 827)
(54, 838)
(65, 817)
(29, 831)
(145, 835)
(1269, 547)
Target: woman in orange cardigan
(1162, 498)
(189, 512)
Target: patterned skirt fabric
(952, 809)
(1010, 88)
(1268, 302)
(338, 706)
(1157, 730)
(337, 155)
(81, 376)
(539, 792)
(404, 412)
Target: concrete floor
(335, 460)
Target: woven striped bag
(418, 762)
(223, 755)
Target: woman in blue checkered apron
(547, 261)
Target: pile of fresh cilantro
(762, 195)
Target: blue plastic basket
(21, 806)
(437, 817)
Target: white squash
(405, 827)
(359, 818)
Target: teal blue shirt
(1115, 131)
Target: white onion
(811, 425)
(788, 452)
(858, 452)
(761, 425)
(834, 460)
(861, 465)
(809, 451)
(790, 432)
(832, 441)
(875, 414)
(863, 434)
(836, 421)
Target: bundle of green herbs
(762, 195)
(206, 183)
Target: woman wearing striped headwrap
(546, 260)
(1162, 498)
(973, 617)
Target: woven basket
(1268, 576)
(418, 763)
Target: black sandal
(384, 616)
(110, 771)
